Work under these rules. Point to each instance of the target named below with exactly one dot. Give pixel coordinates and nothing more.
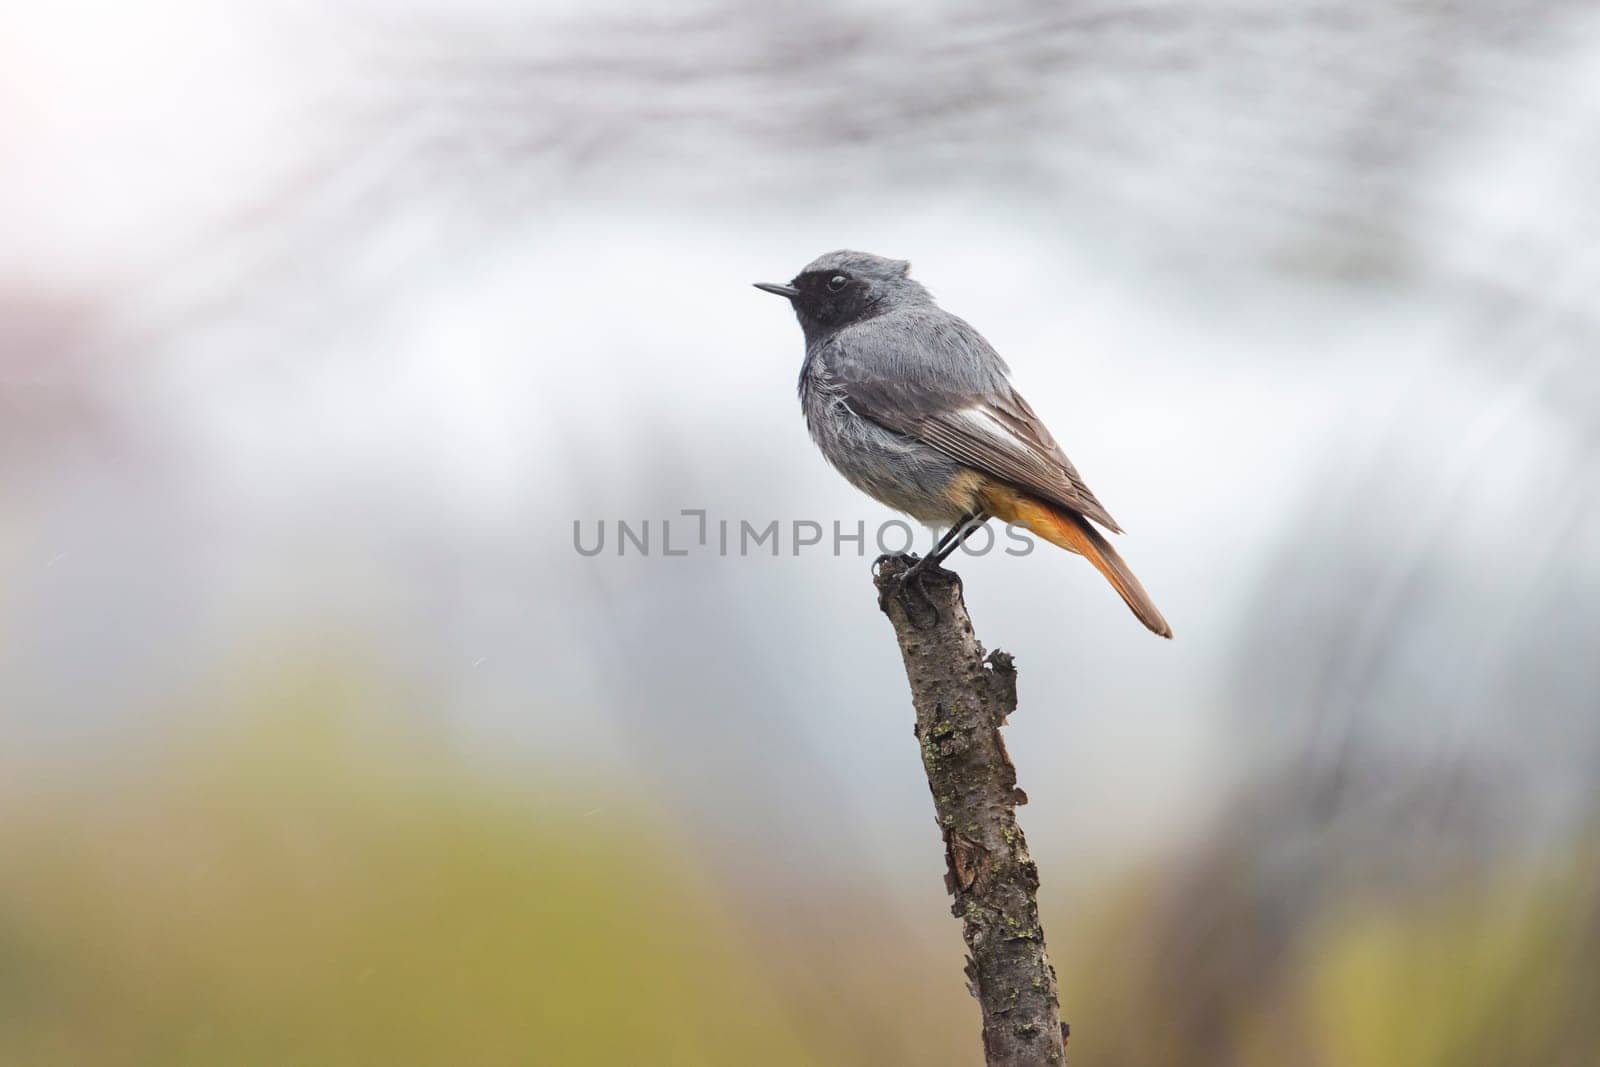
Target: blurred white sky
(358, 396)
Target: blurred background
(322, 323)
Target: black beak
(780, 290)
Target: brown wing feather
(1009, 441)
(937, 380)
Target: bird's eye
(837, 282)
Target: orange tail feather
(1075, 534)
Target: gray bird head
(839, 288)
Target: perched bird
(915, 408)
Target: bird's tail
(1074, 533)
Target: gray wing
(929, 375)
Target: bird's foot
(914, 579)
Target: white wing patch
(982, 419)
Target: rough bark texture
(962, 698)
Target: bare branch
(962, 698)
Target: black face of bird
(828, 298)
(840, 288)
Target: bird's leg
(952, 537)
(966, 527)
(952, 540)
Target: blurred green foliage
(1500, 970)
(307, 885)
(310, 891)
(1505, 974)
